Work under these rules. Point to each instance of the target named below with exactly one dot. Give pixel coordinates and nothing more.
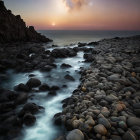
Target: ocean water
(66, 37)
(44, 128)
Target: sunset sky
(78, 14)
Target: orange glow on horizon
(89, 15)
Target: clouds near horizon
(75, 4)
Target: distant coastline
(66, 37)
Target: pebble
(104, 122)
(129, 135)
(131, 121)
(100, 129)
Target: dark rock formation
(13, 28)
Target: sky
(78, 14)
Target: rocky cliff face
(13, 28)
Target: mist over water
(44, 128)
(66, 37)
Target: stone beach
(106, 105)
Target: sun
(53, 24)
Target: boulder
(31, 107)
(81, 44)
(75, 134)
(69, 77)
(65, 66)
(33, 82)
(52, 93)
(44, 87)
(54, 88)
(29, 119)
(21, 87)
(63, 53)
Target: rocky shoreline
(106, 105)
(15, 110)
(14, 29)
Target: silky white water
(44, 128)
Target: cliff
(13, 28)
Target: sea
(67, 37)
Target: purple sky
(78, 14)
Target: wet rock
(134, 80)
(122, 125)
(115, 137)
(83, 89)
(111, 98)
(33, 82)
(47, 68)
(88, 57)
(75, 134)
(100, 129)
(44, 87)
(22, 87)
(81, 44)
(105, 112)
(129, 135)
(29, 119)
(57, 119)
(52, 93)
(6, 107)
(119, 106)
(114, 77)
(69, 77)
(22, 98)
(132, 121)
(93, 43)
(64, 86)
(131, 89)
(54, 88)
(65, 66)
(104, 122)
(90, 121)
(31, 75)
(63, 53)
(31, 107)
(137, 69)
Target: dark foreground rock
(69, 77)
(13, 117)
(13, 28)
(106, 103)
(33, 82)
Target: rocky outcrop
(13, 28)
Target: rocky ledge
(13, 28)
(106, 105)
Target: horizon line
(82, 30)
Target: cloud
(75, 4)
